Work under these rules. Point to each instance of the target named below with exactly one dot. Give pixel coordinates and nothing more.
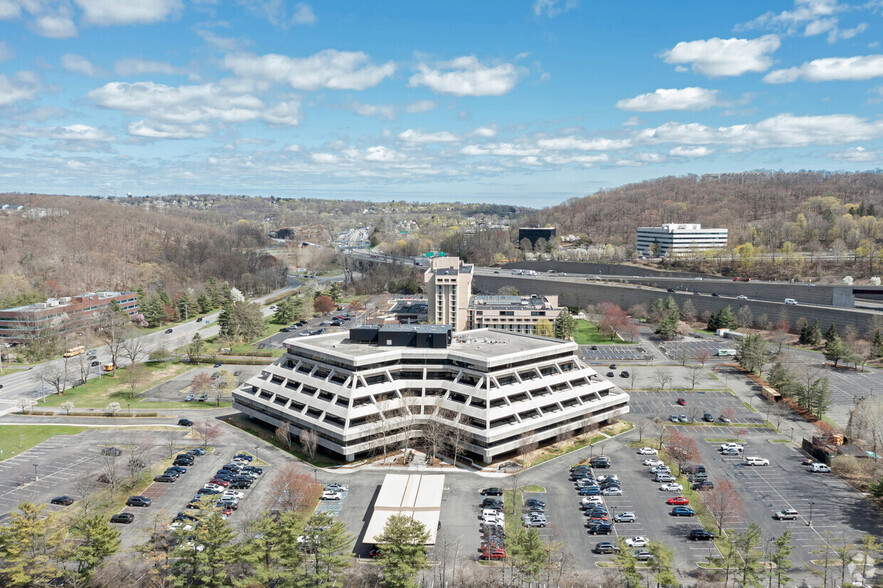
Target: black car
(701, 535)
(600, 529)
(123, 517)
(601, 463)
(253, 469)
(164, 478)
(114, 451)
(534, 502)
(239, 485)
(284, 330)
(138, 501)
(185, 423)
(611, 374)
(208, 491)
(185, 457)
(94, 364)
(184, 460)
(671, 290)
(491, 503)
(492, 492)
(62, 500)
(174, 473)
(715, 294)
(606, 547)
(624, 374)
(168, 331)
(199, 320)
(219, 364)
(231, 504)
(706, 485)
(708, 418)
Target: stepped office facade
(374, 387)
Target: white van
(820, 467)
(727, 352)
(790, 301)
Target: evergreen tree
(819, 397)
(831, 332)
(752, 353)
(834, 349)
(877, 344)
(29, 546)
(780, 556)
(97, 540)
(528, 552)
(778, 375)
(668, 328)
(803, 338)
(184, 306)
(815, 333)
(747, 544)
(727, 319)
(627, 564)
(565, 325)
(713, 322)
(153, 310)
(193, 566)
(165, 298)
(284, 312)
(273, 553)
(402, 544)
(329, 543)
(335, 292)
(214, 293)
(204, 303)
(225, 321)
(194, 349)
(661, 564)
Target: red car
(682, 401)
(678, 500)
(493, 553)
(219, 482)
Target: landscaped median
(572, 444)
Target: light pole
(792, 434)
(35, 473)
(809, 522)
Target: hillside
(62, 245)
(762, 208)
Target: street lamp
(809, 523)
(129, 408)
(35, 473)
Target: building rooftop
(63, 301)
(499, 301)
(479, 346)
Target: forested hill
(758, 207)
(59, 245)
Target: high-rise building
(448, 289)
(674, 239)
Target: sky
(527, 103)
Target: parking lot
(177, 388)
(692, 348)
(651, 404)
(614, 353)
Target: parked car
(529, 521)
(624, 374)
(612, 491)
(673, 418)
(244, 456)
(756, 461)
(122, 517)
(643, 555)
(647, 451)
(589, 491)
(179, 469)
(731, 445)
(682, 401)
(196, 451)
(138, 501)
(114, 451)
(682, 418)
(786, 514)
(491, 492)
(534, 502)
(590, 501)
(600, 529)
(820, 468)
(708, 418)
(637, 541)
(605, 547)
(168, 331)
(653, 462)
(164, 478)
(700, 535)
(62, 500)
(331, 495)
(730, 451)
(189, 398)
(705, 485)
(682, 511)
(610, 374)
(219, 364)
(185, 423)
(678, 501)
(625, 517)
(671, 487)
(724, 419)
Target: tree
(752, 353)
(723, 504)
(744, 317)
(207, 431)
(627, 565)
(96, 541)
(285, 312)
(206, 566)
(195, 347)
(780, 556)
(328, 541)
(113, 330)
(113, 408)
(246, 321)
(663, 378)
(309, 440)
(544, 328)
(57, 376)
(869, 546)
(272, 551)
(201, 384)
(614, 319)
(134, 373)
(681, 447)
(223, 383)
(67, 406)
(528, 552)
(688, 311)
(780, 335)
(814, 333)
(283, 435)
(323, 304)
(747, 544)
(28, 548)
(661, 564)
(402, 544)
(565, 325)
(834, 350)
(819, 397)
(695, 375)
(831, 332)
(133, 347)
(184, 305)
(844, 548)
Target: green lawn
(99, 392)
(587, 333)
(17, 438)
(213, 345)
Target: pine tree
(815, 333)
(273, 553)
(184, 307)
(565, 325)
(402, 544)
(29, 546)
(727, 319)
(831, 332)
(329, 544)
(834, 349)
(97, 541)
(713, 322)
(528, 552)
(877, 344)
(193, 566)
(225, 320)
(803, 338)
(781, 557)
(204, 303)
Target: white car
(756, 461)
(214, 487)
(232, 494)
(652, 462)
(636, 541)
(736, 446)
(614, 491)
(672, 487)
(660, 469)
(591, 500)
(331, 495)
(180, 525)
(820, 467)
(607, 477)
(336, 487)
(741, 297)
(647, 451)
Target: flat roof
(488, 346)
(499, 301)
(413, 495)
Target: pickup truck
(786, 514)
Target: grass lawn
(99, 392)
(17, 438)
(587, 333)
(265, 433)
(213, 345)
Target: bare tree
(456, 438)
(139, 454)
(663, 379)
(223, 384)
(111, 470)
(86, 488)
(170, 442)
(207, 431)
(433, 428)
(309, 440)
(293, 488)
(57, 376)
(682, 354)
(641, 423)
(633, 376)
(723, 503)
(702, 356)
(695, 375)
(744, 317)
(134, 373)
(283, 435)
(133, 347)
(527, 446)
(113, 330)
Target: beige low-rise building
(513, 313)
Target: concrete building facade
(448, 285)
(519, 314)
(676, 239)
(489, 392)
(70, 314)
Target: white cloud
(159, 130)
(414, 136)
(725, 57)
(9, 9)
(631, 121)
(501, 149)
(671, 99)
(117, 12)
(681, 151)
(6, 52)
(51, 18)
(421, 106)
(862, 67)
(382, 154)
(55, 26)
(324, 157)
(23, 86)
(857, 154)
(552, 8)
(79, 132)
(331, 69)
(809, 18)
(284, 113)
(138, 67)
(780, 131)
(600, 144)
(303, 14)
(485, 131)
(466, 76)
(80, 65)
(586, 160)
(381, 111)
(294, 147)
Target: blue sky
(494, 101)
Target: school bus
(74, 351)
(109, 367)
